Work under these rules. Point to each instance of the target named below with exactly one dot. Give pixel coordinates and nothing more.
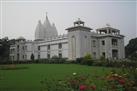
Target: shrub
(87, 60)
(88, 56)
(115, 63)
(102, 58)
(97, 63)
(79, 60)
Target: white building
(79, 41)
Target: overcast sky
(19, 18)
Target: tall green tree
(5, 49)
(131, 49)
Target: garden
(66, 77)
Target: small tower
(108, 30)
(78, 40)
(113, 42)
(79, 23)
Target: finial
(46, 13)
(108, 25)
(78, 19)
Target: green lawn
(28, 79)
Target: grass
(28, 79)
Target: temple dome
(45, 30)
(21, 38)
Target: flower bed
(11, 67)
(76, 82)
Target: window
(26, 48)
(73, 36)
(103, 42)
(94, 43)
(48, 47)
(103, 54)
(114, 42)
(60, 45)
(11, 51)
(48, 55)
(22, 47)
(23, 57)
(115, 54)
(109, 31)
(18, 48)
(94, 54)
(13, 58)
(39, 56)
(39, 48)
(60, 55)
(18, 57)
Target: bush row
(87, 60)
(48, 61)
(106, 62)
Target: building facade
(79, 41)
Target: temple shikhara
(79, 41)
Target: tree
(4, 49)
(133, 56)
(131, 49)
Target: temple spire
(46, 22)
(47, 16)
(46, 13)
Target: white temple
(45, 30)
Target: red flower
(82, 87)
(93, 87)
(122, 82)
